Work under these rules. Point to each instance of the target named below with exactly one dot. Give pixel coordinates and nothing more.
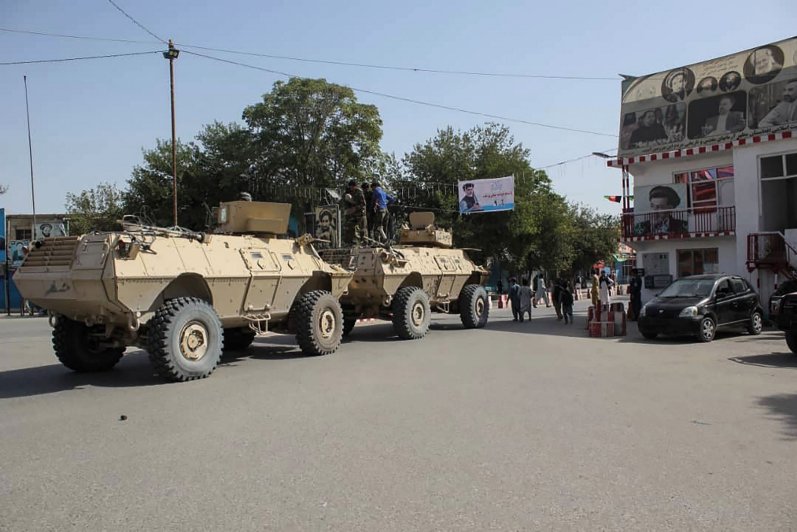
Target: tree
(533, 236)
(595, 237)
(97, 209)
(308, 132)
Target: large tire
(319, 323)
(238, 339)
(708, 328)
(756, 324)
(791, 341)
(412, 313)
(185, 339)
(79, 351)
(474, 308)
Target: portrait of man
(784, 112)
(45, 230)
(678, 84)
(707, 85)
(17, 251)
(326, 226)
(730, 81)
(649, 129)
(763, 64)
(469, 202)
(663, 201)
(726, 120)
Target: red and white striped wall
(683, 236)
(620, 162)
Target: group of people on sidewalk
(522, 299)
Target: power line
(411, 100)
(137, 23)
(67, 36)
(329, 62)
(65, 59)
(401, 68)
(571, 160)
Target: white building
(709, 154)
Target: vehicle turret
(422, 231)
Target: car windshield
(689, 288)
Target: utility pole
(30, 155)
(171, 54)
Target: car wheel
(791, 341)
(708, 328)
(756, 323)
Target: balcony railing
(678, 222)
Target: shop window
(697, 261)
(708, 188)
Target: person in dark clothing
(369, 208)
(556, 295)
(566, 299)
(499, 286)
(635, 291)
(514, 298)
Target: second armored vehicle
(184, 296)
(405, 283)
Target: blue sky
(91, 119)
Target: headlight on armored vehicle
(688, 312)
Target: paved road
(517, 426)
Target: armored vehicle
(184, 296)
(406, 282)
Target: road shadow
(771, 360)
(133, 370)
(784, 408)
(271, 347)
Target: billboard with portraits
(49, 228)
(486, 195)
(742, 94)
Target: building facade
(708, 153)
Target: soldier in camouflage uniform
(356, 226)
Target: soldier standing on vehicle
(381, 200)
(356, 227)
(369, 209)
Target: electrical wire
(82, 37)
(137, 23)
(573, 160)
(326, 61)
(400, 68)
(410, 100)
(65, 59)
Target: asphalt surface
(513, 427)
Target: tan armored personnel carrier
(405, 283)
(184, 296)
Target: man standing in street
(381, 200)
(356, 222)
(635, 291)
(514, 298)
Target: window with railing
(678, 222)
(708, 188)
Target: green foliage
(595, 237)
(97, 209)
(309, 132)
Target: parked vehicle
(699, 305)
(787, 287)
(786, 318)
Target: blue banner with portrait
(2, 237)
(487, 195)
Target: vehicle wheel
(185, 339)
(319, 323)
(474, 309)
(412, 314)
(81, 351)
(648, 335)
(756, 323)
(791, 341)
(707, 329)
(238, 338)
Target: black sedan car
(699, 304)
